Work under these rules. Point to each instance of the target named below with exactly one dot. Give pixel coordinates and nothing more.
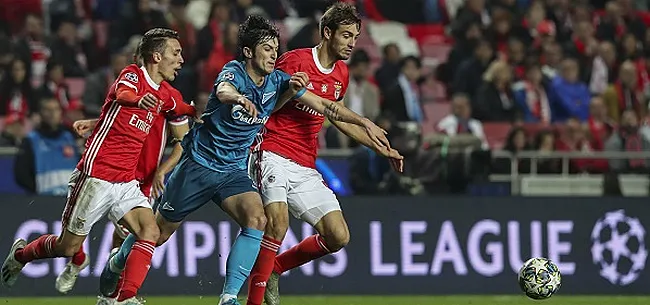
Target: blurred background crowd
(466, 87)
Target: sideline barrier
(401, 245)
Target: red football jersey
(292, 131)
(154, 147)
(114, 147)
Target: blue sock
(241, 260)
(119, 260)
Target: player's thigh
(334, 230)
(189, 187)
(89, 199)
(133, 210)
(309, 198)
(269, 172)
(238, 197)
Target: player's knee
(277, 225)
(149, 232)
(256, 221)
(336, 239)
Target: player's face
(172, 60)
(265, 55)
(342, 41)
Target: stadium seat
(496, 134)
(434, 112)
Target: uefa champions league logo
(618, 247)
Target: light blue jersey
(222, 143)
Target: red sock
(311, 248)
(262, 270)
(136, 268)
(79, 258)
(42, 247)
(120, 285)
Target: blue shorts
(192, 185)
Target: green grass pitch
(361, 300)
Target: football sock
(119, 260)
(79, 258)
(137, 267)
(311, 248)
(241, 260)
(262, 270)
(42, 247)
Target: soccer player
(285, 155)
(214, 163)
(104, 182)
(148, 173)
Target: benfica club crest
(337, 89)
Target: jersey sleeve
(288, 63)
(170, 116)
(283, 81)
(128, 79)
(232, 75)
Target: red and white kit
(105, 179)
(285, 151)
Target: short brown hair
(338, 14)
(154, 40)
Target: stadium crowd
(566, 75)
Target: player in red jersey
(104, 182)
(283, 159)
(150, 173)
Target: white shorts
(90, 199)
(121, 230)
(302, 188)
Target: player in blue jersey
(214, 162)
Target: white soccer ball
(539, 278)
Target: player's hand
(198, 113)
(147, 101)
(394, 157)
(376, 134)
(298, 81)
(248, 106)
(83, 127)
(158, 184)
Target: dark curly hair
(338, 14)
(153, 41)
(256, 30)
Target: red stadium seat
(434, 112)
(76, 86)
(496, 134)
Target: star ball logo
(618, 247)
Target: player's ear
(157, 57)
(327, 33)
(248, 53)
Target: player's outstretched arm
(338, 112)
(228, 94)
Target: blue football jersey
(222, 143)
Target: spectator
(599, 124)
(633, 24)
(97, 84)
(629, 48)
(49, 154)
(178, 22)
(516, 57)
(604, 69)
(544, 144)
(67, 50)
(460, 120)
(572, 95)
(16, 101)
(533, 97)
(362, 96)
(629, 139)
(494, 100)
(551, 58)
(583, 46)
(474, 11)
(624, 94)
(210, 37)
(32, 46)
(223, 50)
(56, 86)
(136, 18)
(386, 75)
(307, 37)
(612, 24)
(575, 139)
(468, 78)
(462, 50)
(402, 100)
(559, 11)
(515, 143)
(367, 169)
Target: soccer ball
(539, 278)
